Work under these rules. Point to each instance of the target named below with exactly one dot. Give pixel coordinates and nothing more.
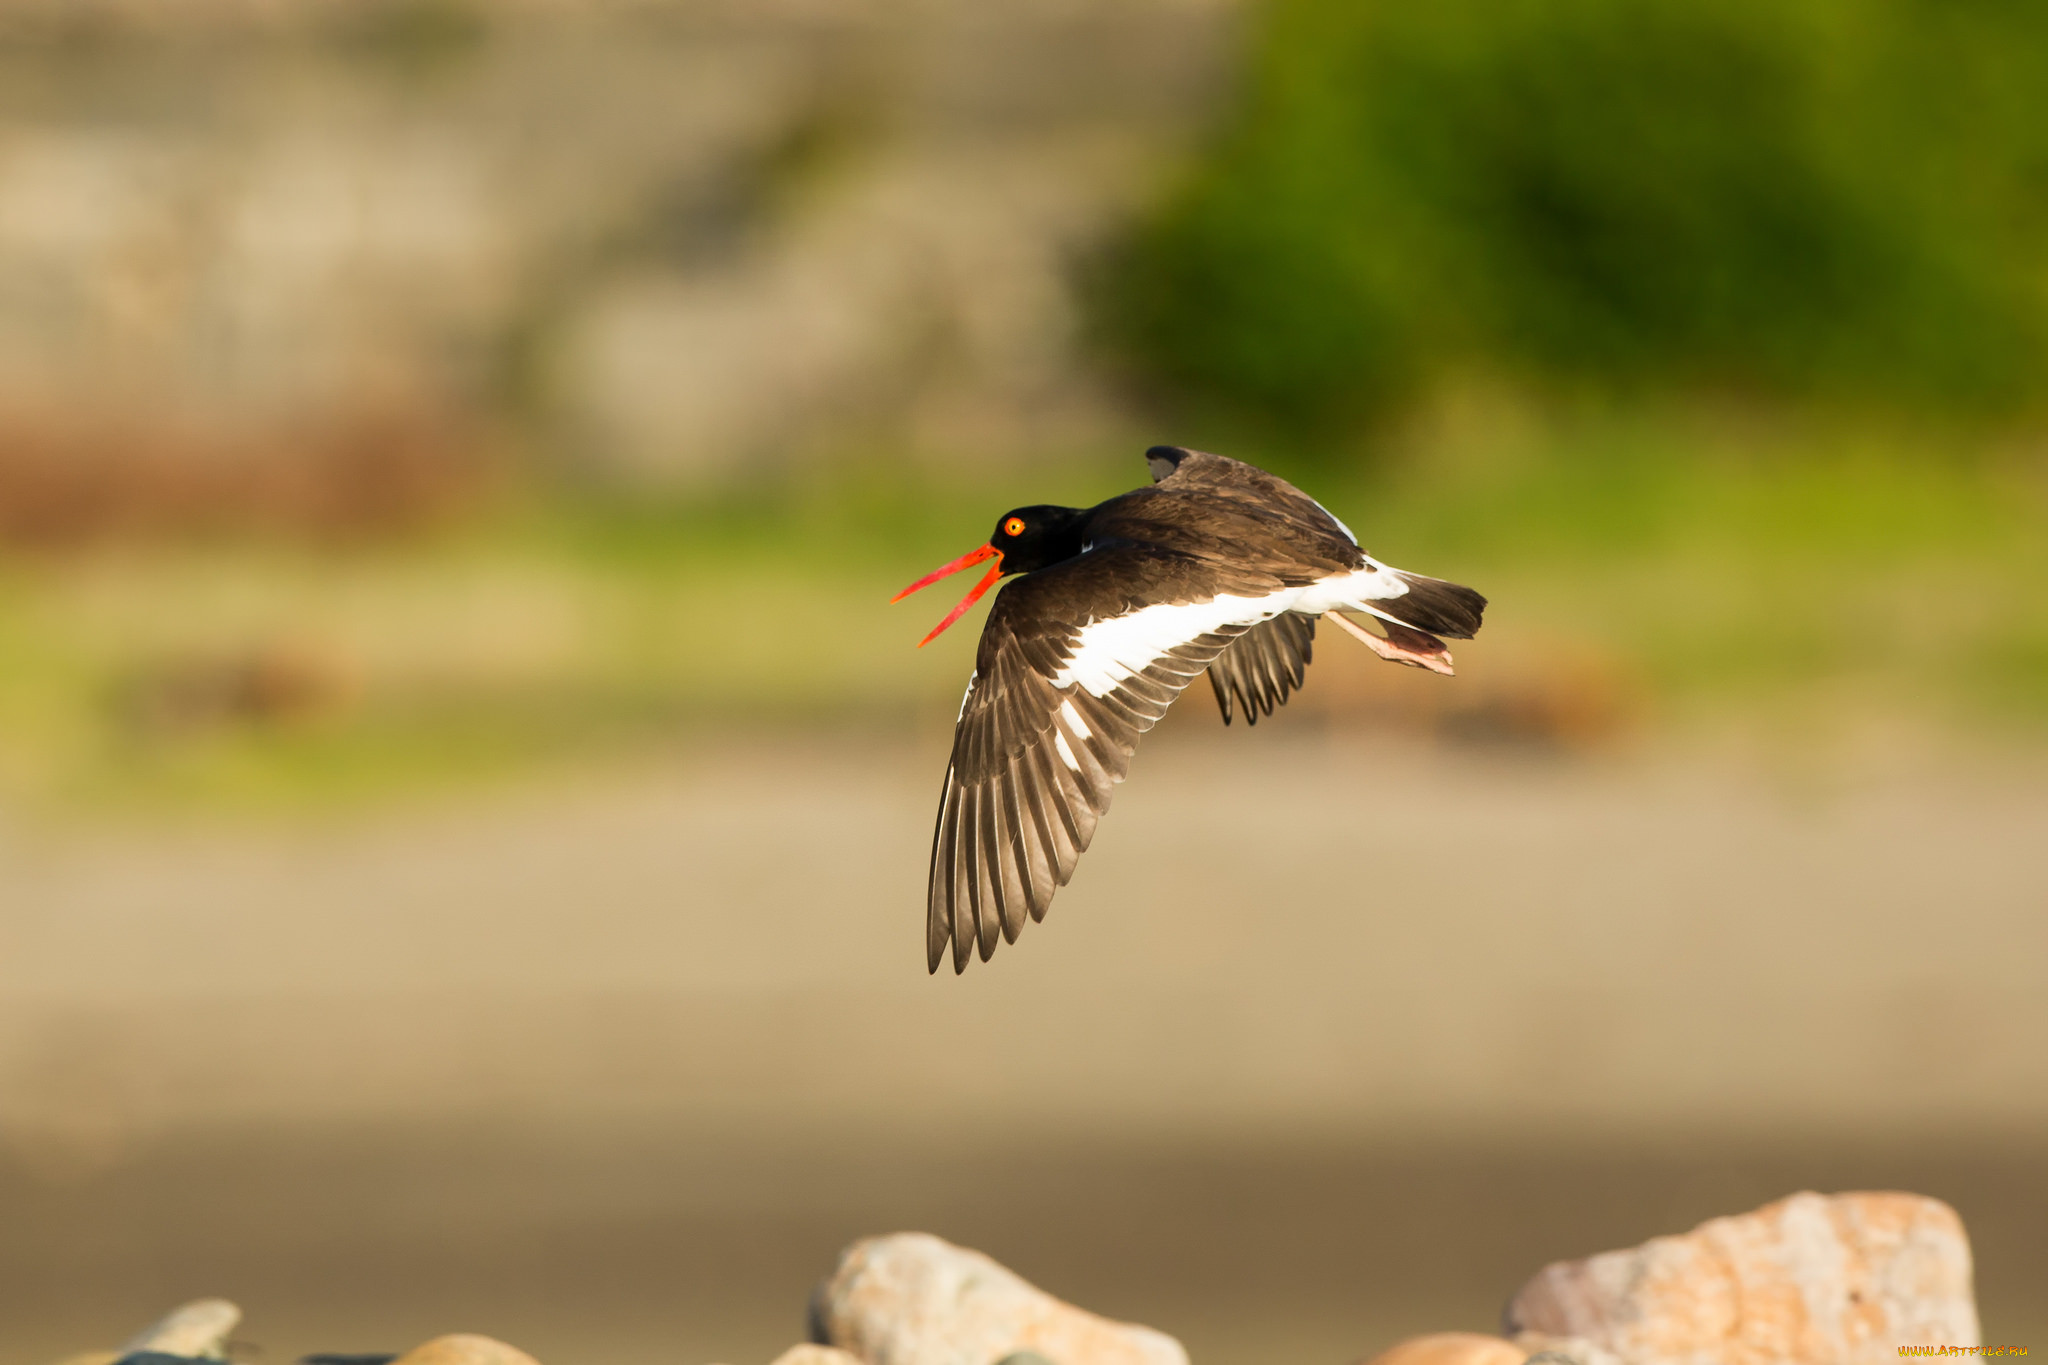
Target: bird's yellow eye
(1014, 526)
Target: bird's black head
(1030, 538)
(1026, 538)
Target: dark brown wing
(1038, 751)
(1262, 514)
(1263, 665)
(1260, 518)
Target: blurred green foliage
(1835, 199)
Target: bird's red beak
(988, 581)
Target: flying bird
(1115, 608)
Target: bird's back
(1216, 508)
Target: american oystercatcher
(1219, 566)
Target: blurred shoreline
(1414, 938)
(464, 794)
(651, 1242)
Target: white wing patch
(1374, 584)
(1108, 651)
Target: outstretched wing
(1076, 662)
(1263, 665)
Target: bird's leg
(1420, 654)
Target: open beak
(972, 557)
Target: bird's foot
(1401, 645)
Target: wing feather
(937, 933)
(1263, 666)
(958, 875)
(987, 852)
(1014, 861)
(1034, 762)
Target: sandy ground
(1333, 1037)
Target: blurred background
(464, 798)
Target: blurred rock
(197, 1329)
(1531, 691)
(79, 475)
(1825, 1280)
(281, 681)
(809, 1354)
(1567, 1351)
(1451, 1348)
(465, 1348)
(669, 248)
(912, 1299)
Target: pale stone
(1810, 1280)
(1451, 1348)
(808, 1354)
(1564, 1351)
(465, 1348)
(199, 1328)
(912, 1299)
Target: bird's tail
(1415, 622)
(1433, 607)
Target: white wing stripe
(1108, 651)
(1353, 589)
